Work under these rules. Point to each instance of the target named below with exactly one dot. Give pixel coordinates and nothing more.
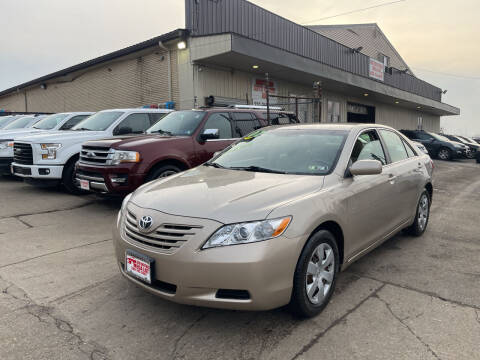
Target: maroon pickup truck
(179, 141)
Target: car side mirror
(366, 167)
(123, 130)
(210, 134)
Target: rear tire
(162, 171)
(444, 154)
(315, 275)
(421, 216)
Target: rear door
(223, 123)
(404, 177)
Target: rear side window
(244, 123)
(134, 124)
(220, 121)
(73, 121)
(410, 151)
(368, 147)
(395, 145)
(280, 119)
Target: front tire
(162, 171)
(68, 179)
(444, 154)
(421, 216)
(315, 275)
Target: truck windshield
(284, 151)
(178, 123)
(19, 123)
(4, 120)
(98, 122)
(50, 122)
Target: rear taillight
(432, 164)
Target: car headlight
(51, 151)
(4, 144)
(125, 157)
(248, 232)
(123, 208)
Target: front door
(222, 122)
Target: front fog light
(248, 232)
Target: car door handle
(391, 178)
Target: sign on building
(259, 90)
(376, 70)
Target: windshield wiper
(165, 132)
(258, 169)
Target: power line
(447, 74)
(354, 11)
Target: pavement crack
(340, 320)
(402, 321)
(50, 211)
(185, 332)
(23, 222)
(54, 252)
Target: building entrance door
(359, 113)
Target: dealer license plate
(84, 185)
(139, 268)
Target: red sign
(376, 70)
(259, 91)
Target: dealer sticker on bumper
(139, 268)
(84, 185)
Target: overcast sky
(439, 39)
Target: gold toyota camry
(272, 219)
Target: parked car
(273, 218)
(179, 141)
(472, 146)
(21, 122)
(476, 138)
(437, 145)
(49, 159)
(420, 147)
(61, 121)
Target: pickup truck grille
(95, 155)
(22, 153)
(168, 237)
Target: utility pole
(267, 85)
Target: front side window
(50, 122)
(286, 151)
(19, 123)
(178, 123)
(73, 121)
(368, 147)
(154, 117)
(133, 124)
(100, 121)
(421, 135)
(220, 121)
(394, 145)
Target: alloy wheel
(423, 209)
(320, 273)
(443, 154)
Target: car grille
(95, 155)
(22, 153)
(168, 237)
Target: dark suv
(179, 141)
(437, 145)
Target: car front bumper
(40, 172)
(188, 275)
(118, 180)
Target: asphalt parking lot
(62, 296)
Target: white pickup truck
(60, 121)
(50, 158)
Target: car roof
(139, 109)
(335, 126)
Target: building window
(384, 59)
(333, 111)
(420, 123)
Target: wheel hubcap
(423, 212)
(167, 173)
(443, 154)
(320, 273)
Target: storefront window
(333, 110)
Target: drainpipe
(26, 104)
(163, 47)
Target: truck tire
(68, 178)
(162, 171)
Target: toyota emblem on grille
(145, 223)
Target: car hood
(14, 133)
(64, 136)
(227, 196)
(128, 142)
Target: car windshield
(178, 123)
(99, 121)
(286, 151)
(19, 123)
(50, 122)
(4, 120)
(440, 137)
